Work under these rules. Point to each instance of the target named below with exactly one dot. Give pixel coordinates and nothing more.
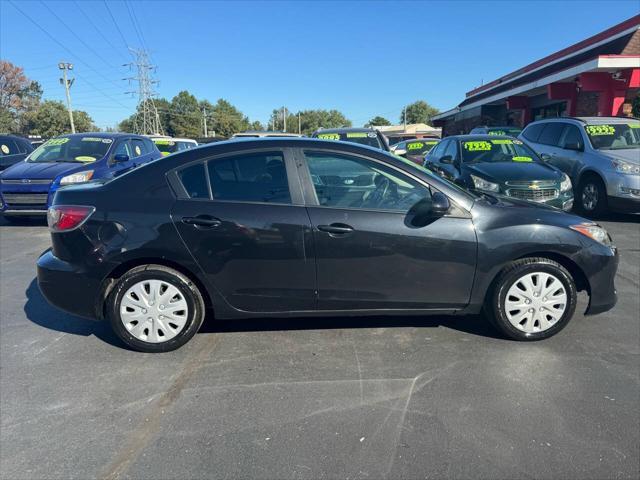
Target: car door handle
(202, 221)
(336, 228)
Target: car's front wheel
(592, 196)
(153, 308)
(532, 299)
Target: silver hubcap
(589, 196)
(154, 311)
(535, 302)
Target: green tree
(18, 95)
(51, 118)
(133, 124)
(377, 121)
(256, 126)
(310, 120)
(419, 112)
(186, 116)
(226, 119)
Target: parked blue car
(27, 187)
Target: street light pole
(67, 85)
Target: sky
(364, 58)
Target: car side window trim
(295, 189)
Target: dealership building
(597, 76)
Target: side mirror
(545, 157)
(440, 204)
(447, 159)
(578, 147)
(120, 158)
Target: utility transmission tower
(147, 118)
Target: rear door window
(8, 147)
(532, 132)
(255, 177)
(194, 181)
(551, 134)
(139, 148)
(572, 136)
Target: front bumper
(601, 272)
(18, 200)
(57, 278)
(623, 192)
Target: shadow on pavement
(38, 311)
(40, 221)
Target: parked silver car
(601, 155)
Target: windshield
(363, 138)
(71, 149)
(614, 136)
(420, 147)
(498, 150)
(166, 147)
(511, 132)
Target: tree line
(24, 112)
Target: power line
(95, 26)
(59, 43)
(124, 41)
(135, 25)
(76, 36)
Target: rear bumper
(66, 287)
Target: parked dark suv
(305, 227)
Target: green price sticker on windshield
(431, 142)
(415, 146)
(497, 132)
(56, 141)
(502, 141)
(329, 136)
(164, 142)
(595, 130)
(85, 158)
(479, 146)
(357, 135)
(522, 159)
(634, 125)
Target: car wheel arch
(113, 276)
(589, 172)
(578, 276)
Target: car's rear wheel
(533, 299)
(592, 196)
(153, 308)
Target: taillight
(63, 218)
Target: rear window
(8, 147)
(363, 138)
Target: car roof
(345, 130)
(480, 136)
(592, 120)
(112, 135)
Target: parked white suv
(601, 155)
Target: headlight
(594, 232)
(565, 185)
(482, 184)
(77, 177)
(626, 167)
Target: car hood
(501, 172)
(40, 170)
(631, 155)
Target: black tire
(190, 292)
(589, 186)
(495, 304)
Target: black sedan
(303, 227)
(500, 165)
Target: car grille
(25, 198)
(533, 195)
(26, 181)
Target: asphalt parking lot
(317, 398)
